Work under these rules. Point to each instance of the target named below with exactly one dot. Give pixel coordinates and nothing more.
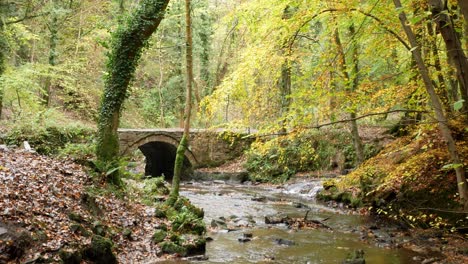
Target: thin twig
(441, 210)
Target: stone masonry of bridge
(206, 147)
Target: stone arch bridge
(207, 147)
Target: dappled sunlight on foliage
(410, 180)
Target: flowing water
(247, 206)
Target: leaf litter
(39, 193)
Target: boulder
(13, 242)
(70, 256)
(355, 257)
(100, 251)
(169, 247)
(274, 220)
(159, 235)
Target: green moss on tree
(180, 155)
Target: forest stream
(236, 214)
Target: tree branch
(330, 10)
(367, 115)
(22, 19)
(339, 121)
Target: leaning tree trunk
(453, 45)
(441, 119)
(127, 44)
(183, 145)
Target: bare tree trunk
(442, 121)
(285, 92)
(183, 145)
(352, 82)
(205, 38)
(53, 40)
(3, 49)
(464, 8)
(78, 37)
(161, 75)
(441, 88)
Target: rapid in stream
(243, 207)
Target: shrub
(47, 138)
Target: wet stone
(355, 257)
(259, 199)
(284, 242)
(246, 237)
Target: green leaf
(415, 20)
(458, 105)
(452, 166)
(109, 172)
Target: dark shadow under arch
(160, 158)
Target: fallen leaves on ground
(39, 193)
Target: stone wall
(206, 148)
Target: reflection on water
(311, 246)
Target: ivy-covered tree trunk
(462, 184)
(183, 145)
(127, 44)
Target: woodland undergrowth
(411, 181)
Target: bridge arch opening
(160, 159)
(159, 150)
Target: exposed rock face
(14, 241)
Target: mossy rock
(188, 223)
(329, 185)
(196, 247)
(174, 237)
(89, 201)
(169, 247)
(355, 257)
(80, 230)
(184, 202)
(70, 257)
(162, 226)
(100, 251)
(13, 243)
(99, 228)
(199, 228)
(161, 211)
(159, 235)
(127, 233)
(76, 217)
